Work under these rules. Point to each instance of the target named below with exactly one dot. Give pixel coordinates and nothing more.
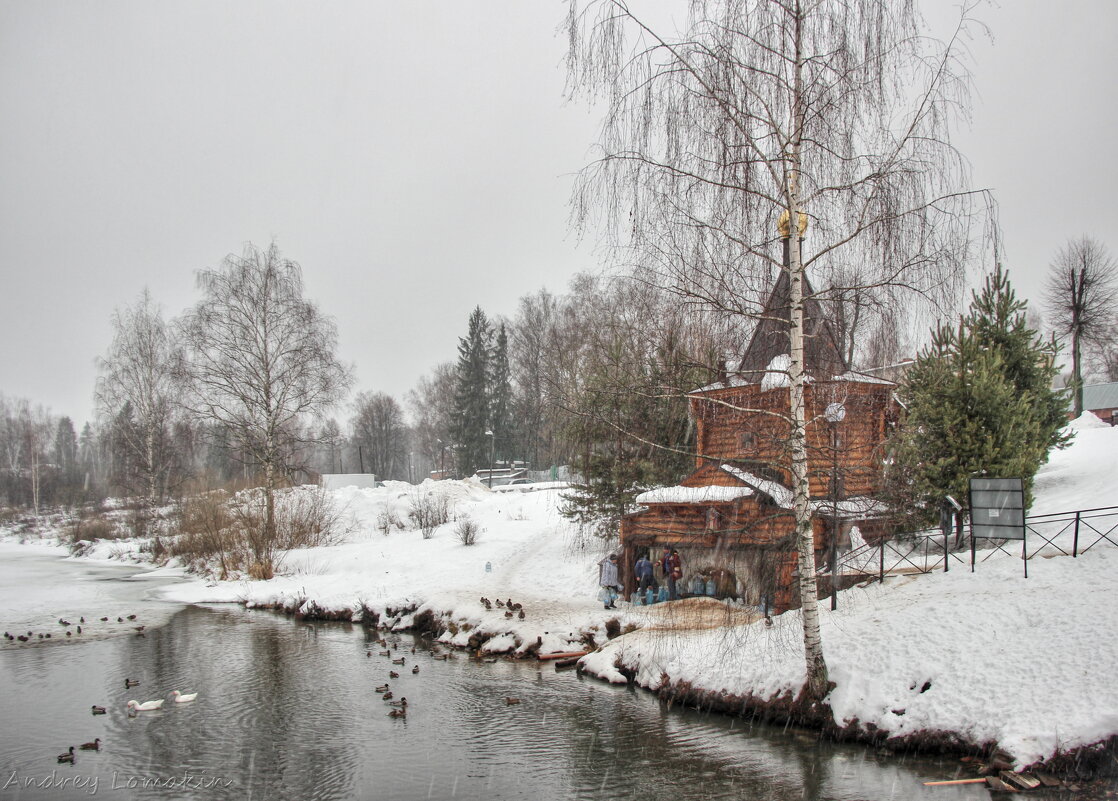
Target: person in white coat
(611, 584)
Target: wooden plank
(1020, 780)
(955, 781)
(561, 655)
(1048, 780)
(994, 783)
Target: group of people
(668, 567)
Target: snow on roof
(860, 507)
(850, 375)
(780, 494)
(734, 380)
(680, 494)
(776, 374)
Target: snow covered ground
(990, 655)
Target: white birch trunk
(801, 492)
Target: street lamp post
(492, 437)
(834, 415)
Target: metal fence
(929, 551)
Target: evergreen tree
(89, 458)
(979, 401)
(471, 397)
(500, 398)
(66, 448)
(631, 421)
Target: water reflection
(288, 711)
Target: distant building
(333, 481)
(1101, 400)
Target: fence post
(1075, 538)
(945, 551)
(881, 561)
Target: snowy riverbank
(973, 659)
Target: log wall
(749, 424)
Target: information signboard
(997, 508)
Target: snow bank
(990, 656)
(1082, 476)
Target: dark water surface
(287, 710)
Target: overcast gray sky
(414, 157)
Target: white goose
(182, 698)
(146, 706)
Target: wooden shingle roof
(823, 357)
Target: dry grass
(694, 613)
(92, 527)
(226, 535)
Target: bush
(467, 531)
(206, 533)
(387, 520)
(226, 534)
(92, 527)
(306, 517)
(429, 510)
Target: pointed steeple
(823, 357)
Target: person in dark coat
(645, 575)
(673, 572)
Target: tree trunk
(150, 455)
(1076, 370)
(35, 481)
(801, 493)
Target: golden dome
(782, 224)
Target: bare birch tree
(830, 112)
(259, 359)
(25, 441)
(1080, 294)
(137, 374)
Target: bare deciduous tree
(531, 352)
(1080, 293)
(378, 428)
(259, 359)
(431, 406)
(137, 374)
(834, 112)
(25, 440)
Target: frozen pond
(288, 710)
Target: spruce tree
(471, 397)
(979, 402)
(500, 397)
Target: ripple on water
(288, 710)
